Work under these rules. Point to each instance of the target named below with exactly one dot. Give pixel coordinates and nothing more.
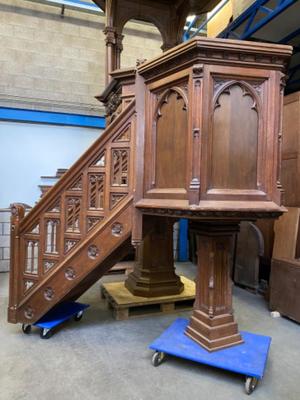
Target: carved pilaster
(17, 214)
(194, 189)
(212, 324)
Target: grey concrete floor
(100, 358)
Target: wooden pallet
(123, 267)
(125, 305)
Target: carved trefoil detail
(124, 136)
(222, 88)
(69, 244)
(28, 284)
(93, 221)
(115, 198)
(48, 265)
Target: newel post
(17, 214)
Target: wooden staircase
(78, 230)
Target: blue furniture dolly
(248, 359)
(59, 314)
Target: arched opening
(142, 40)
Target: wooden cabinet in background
(290, 167)
(285, 270)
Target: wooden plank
(286, 234)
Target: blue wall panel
(44, 117)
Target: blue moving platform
(248, 358)
(56, 316)
(59, 314)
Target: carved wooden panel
(51, 245)
(96, 191)
(32, 257)
(73, 214)
(120, 160)
(234, 150)
(171, 140)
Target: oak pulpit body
(208, 149)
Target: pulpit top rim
(204, 50)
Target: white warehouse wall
(29, 151)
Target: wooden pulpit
(208, 149)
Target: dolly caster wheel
(250, 384)
(78, 316)
(46, 333)
(157, 358)
(26, 328)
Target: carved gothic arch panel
(169, 139)
(247, 89)
(235, 136)
(164, 97)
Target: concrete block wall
(4, 239)
(57, 64)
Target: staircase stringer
(77, 266)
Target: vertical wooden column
(17, 214)
(212, 324)
(119, 49)
(154, 272)
(110, 40)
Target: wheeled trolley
(248, 359)
(59, 314)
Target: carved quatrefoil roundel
(70, 274)
(117, 229)
(49, 293)
(93, 252)
(28, 312)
